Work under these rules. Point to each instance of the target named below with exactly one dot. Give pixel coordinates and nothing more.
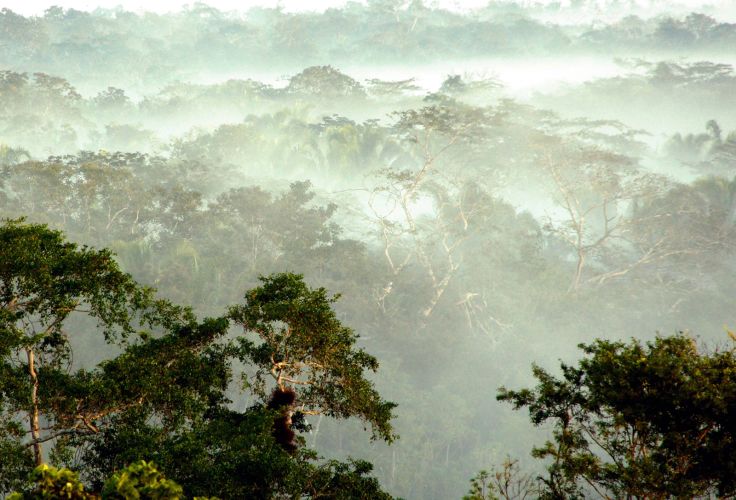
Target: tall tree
(43, 282)
(424, 203)
(50, 292)
(643, 420)
(300, 344)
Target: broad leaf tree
(44, 281)
(642, 420)
(161, 395)
(292, 336)
(50, 292)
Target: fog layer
(486, 188)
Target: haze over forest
(485, 188)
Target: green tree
(325, 82)
(234, 454)
(163, 396)
(652, 420)
(51, 291)
(50, 483)
(43, 282)
(506, 482)
(300, 343)
(141, 480)
(481, 487)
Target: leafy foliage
(480, 487)
(43, 281)
(648, 420)
(52, 483)
(506, 482)
(301, 343)
(163, 396)
(141, 480)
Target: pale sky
(36, 7)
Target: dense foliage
(643, 420)
(139, 480)
(163, 395)
(304, 346)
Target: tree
(50, 290)
(112, 98)
(50, 482)
(325, 82)
(481, 487)
(103, 197)
(594, 190)
(507, 482)
(13, 90)
(54, 92)
(303, 346)
(143, 480)
(465, 86)
(140, 480)
(232, 455)
(705, 211)
(653, 420)
(43, 282)
(163, 395)
(424, 208)
(210, 448)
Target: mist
(485, 187)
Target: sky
(36, 7)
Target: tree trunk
(33, 417)
(578, 272)
(316, 431)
